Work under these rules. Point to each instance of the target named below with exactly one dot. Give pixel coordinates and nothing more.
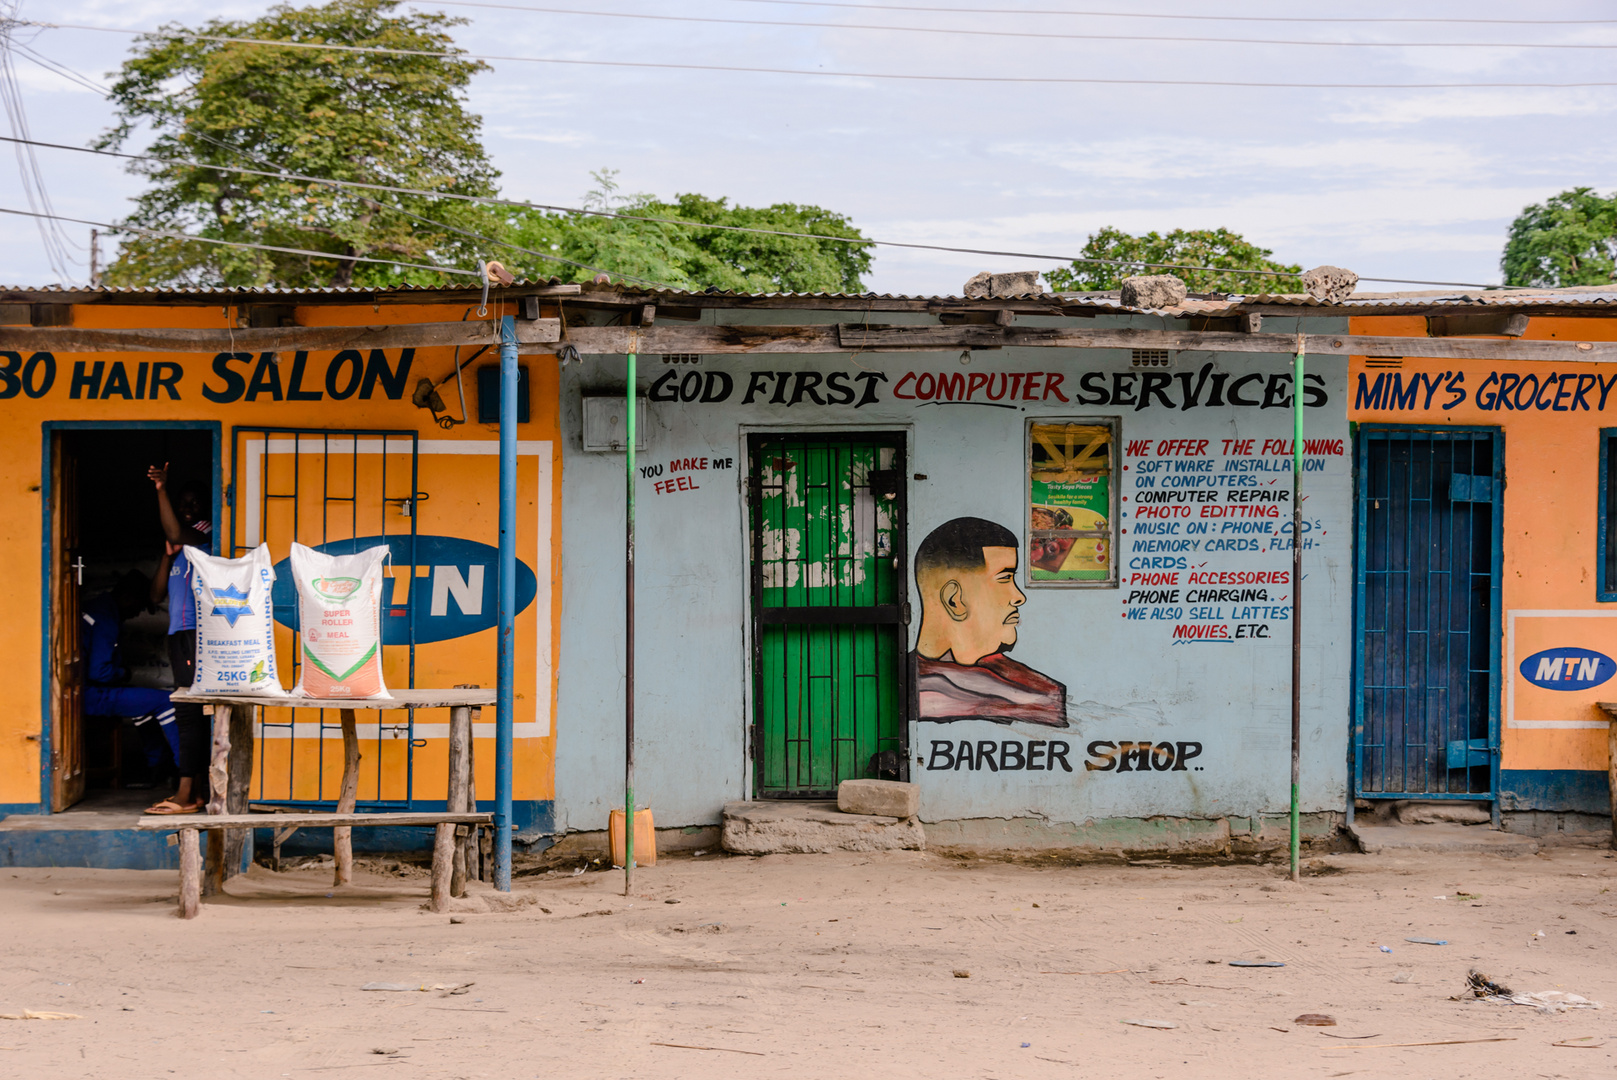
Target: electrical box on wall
(604, 423)
(488, 395)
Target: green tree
(687, 257)
(366, 117)
(1155, 253)
(1569, 239)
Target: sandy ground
(821, 966)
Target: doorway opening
(829, 615)
(110, 732)
(1427, 609)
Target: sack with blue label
(235, 623)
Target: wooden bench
(230, 778)
(188, 826)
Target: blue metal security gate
(1427, 612)
(323, 487)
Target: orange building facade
(1540, 438)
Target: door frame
(47, 566)
(1495, 596)
(749, 623)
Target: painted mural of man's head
(965, 571)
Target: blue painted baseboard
(97, 849)
(1584, 791)
(531, 821)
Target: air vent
(682, 358)
(1152, 358)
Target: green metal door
(828, 610)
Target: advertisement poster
(1070, 503)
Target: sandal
(169, 806)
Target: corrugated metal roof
(1591, 298)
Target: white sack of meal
(339, 622)
(235, 624)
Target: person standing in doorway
(184, 519)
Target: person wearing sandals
(184, 518)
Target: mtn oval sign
(447, 585)
(1568, 668)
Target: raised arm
(165, 509)
(158, 593)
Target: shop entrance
(107, 670)
(1427, 608)
(829, 615)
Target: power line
(52, 236)
(56, 68)
(1196, 18)
(1043, 35)
(165, 234)
(283, 174)
(497, 201)
(1064, 80)
(69, 73)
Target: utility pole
(95, 258)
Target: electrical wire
(167, 235)
(1047, 80)
(283, 174)
(67, 72)
(52, 236)
(1196, 18)
(494, 200)
(57, 68)
(1043, 35)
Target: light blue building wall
(1218, 693)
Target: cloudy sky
(1394, 183)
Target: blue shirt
(100, 631)
(182, 608)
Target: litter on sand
(1553, 1001)
(1440, 1042)
(722, 1049)
(1478, 986)
(1256, 963)
(1385, 948)
(1162, 1024)
(30, 1014)
(1427, 940)
(1315, 1020)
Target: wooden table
(230, 771)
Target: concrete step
(770, 827)
(1395, 839)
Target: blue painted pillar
(505, 672)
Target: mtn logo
(1568, 669)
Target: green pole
(1296, 604)
(628, 641)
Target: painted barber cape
(994, 688)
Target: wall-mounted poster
(1070, 502)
